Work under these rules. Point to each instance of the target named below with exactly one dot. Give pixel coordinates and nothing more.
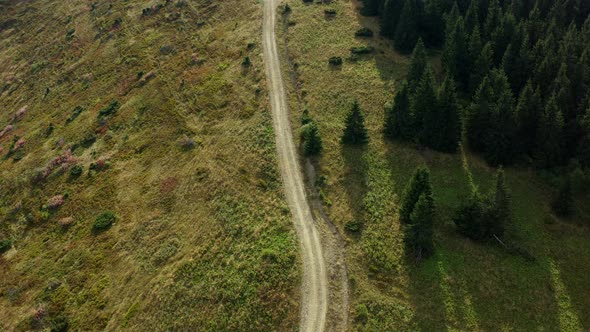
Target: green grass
(203, 238)
(466, 286)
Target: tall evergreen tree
(481, 68)
(418, 185)
(528, 112)
(468, 217)
(423, 105)
(502, 35)
(490, 124)
(398, 119)
(472, 17)
(450, 127)
(355, 131)
(432, 24)
(550, 135)
(455, 55)
(419, 236)
(417, 66)
(312, 142)
(390, 17)
(406, 32)
(493, 17)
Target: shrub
(330, 12)
(98, 165)
(360, 50)
(109, 110)
(246, 62)
(167, 49)
(55, 202)
(74, 114)
(335, 61)
(104, 221)
(364, 32)
(186, 143)
(5, 245)
(353, 226)
(76, 171)
(66, 222)
(60, 324)
(88, 140)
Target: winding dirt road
(314, 297)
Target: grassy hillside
(144, 109)
(465, 286)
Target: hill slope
(151, 103)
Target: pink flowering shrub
(63, 162)
(66, 222)
(21, 112)
(6, 130)
(19, 144)
(55, 202)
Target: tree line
(520, 69)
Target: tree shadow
(355, 181)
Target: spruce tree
(418, 185)
(481, 68)
(528, 112)
(417, 66)
(472, 17)
(502, 36)
(423, 107)
(390, 17)
(305, 117)
(419, 235)
(312, 142)
(550, 135)
(355, 131)
(406, 32)
(398, 120)
(432, 24)
(455, 55)
(468, 217)
(493, 18)
(448, 107)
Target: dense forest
(516, 77)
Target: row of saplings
(481, 217)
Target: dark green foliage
(353, 226)
(419, 234)
(370, 7)
(490, 125)
(104, 221)
(449, 129)
(398, 119)
(550, 135)
(417, 66)
(335, 61)
(88, 140)
(361, 50)
(109, 109)
(60, 323)
(75, 113)
(390, 17)
(419, 185)
(76, 171)
(312, 142)
(423, 107)
(481, 68)
(305, 117)
(563, 203)
(528, 111)
(485, 218)
(5, 245)
(456, 56)
(364, 32)
(246, 62)
(406, 31)
(355, 131)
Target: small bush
(104, 221)
(330, 12)
(76, 171)
(5, 245)
(88, 140)
(109, 110)
(335, 61)
(353, 226)
(186, 143)
(246, 62)
(364, 32)
(74, 114)
(360, 50)
(167, 50)
(66, 222)
(55, 202)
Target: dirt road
(314, 297)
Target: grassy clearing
(465, 286)
(186, 161)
